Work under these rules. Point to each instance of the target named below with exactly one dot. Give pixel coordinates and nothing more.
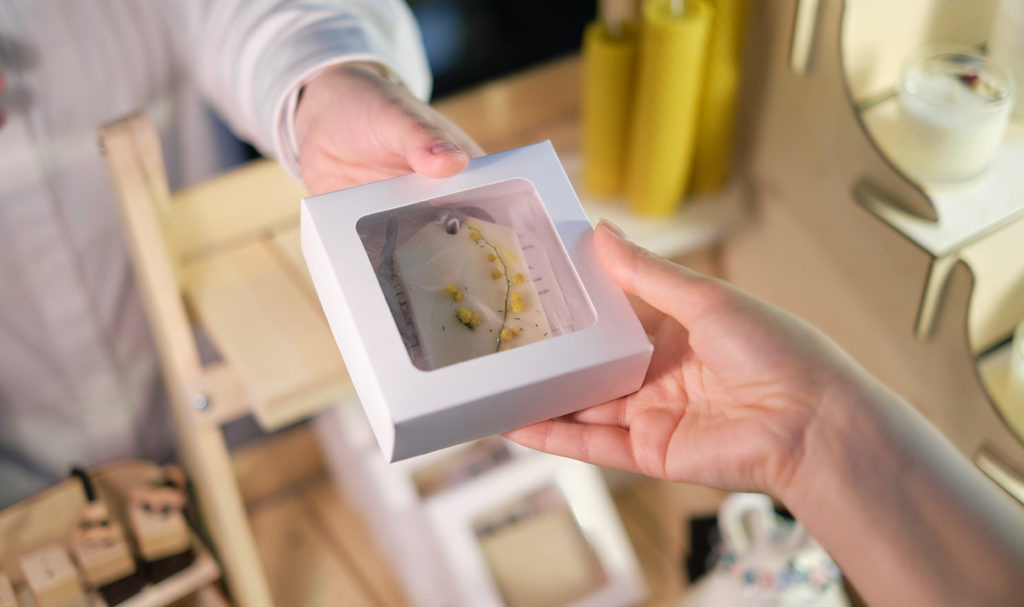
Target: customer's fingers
(601, 445)
(668, 287)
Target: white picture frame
(452, 514)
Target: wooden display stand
(839, 239)
(225, 257)
(47, 519)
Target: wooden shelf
(994, 372)
(701, 221)
(967, 211)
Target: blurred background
(471, 41)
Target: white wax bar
(469, 293)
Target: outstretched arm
(336, 90)
(743, 396)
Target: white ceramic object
(766, 561)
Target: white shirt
(78, 370)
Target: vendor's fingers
(431, 144)
(607, 446)
(433, 152)
(673, 289)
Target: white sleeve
(251, 57)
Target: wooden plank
(662, 576)
(303, 570)
(269, 331)
(210, 596)
(287, 244)
(342, 525)
(655, 514)
(288, 459)
(129, 148)
(232, 208)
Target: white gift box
(469, 306)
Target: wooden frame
(826, 245)
(227, 251)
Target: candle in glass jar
(955, 106)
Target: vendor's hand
(733, 391)
(354, 126)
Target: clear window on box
(474, 273)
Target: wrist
(846, 444)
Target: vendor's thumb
(435, 147)
(435, 156)
(671, 288)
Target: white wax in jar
(951, 130)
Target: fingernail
(444, 148)
(611, 227)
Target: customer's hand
(354, 126)
(733, 391)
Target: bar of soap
(470, 293)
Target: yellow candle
(718, 105)
(664, 116)
(608, 62)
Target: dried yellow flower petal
(517, 279)
(509, 333)
(468, 317)
(495, 273)
(454, 292)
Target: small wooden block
(104, 562)
(159, 535)
(51, 577)
(7, 597)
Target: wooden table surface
(317, 551)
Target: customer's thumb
(671, 288)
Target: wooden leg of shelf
(220, 503)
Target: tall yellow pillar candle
(608, 66)
(717, 120)
(663, 128)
